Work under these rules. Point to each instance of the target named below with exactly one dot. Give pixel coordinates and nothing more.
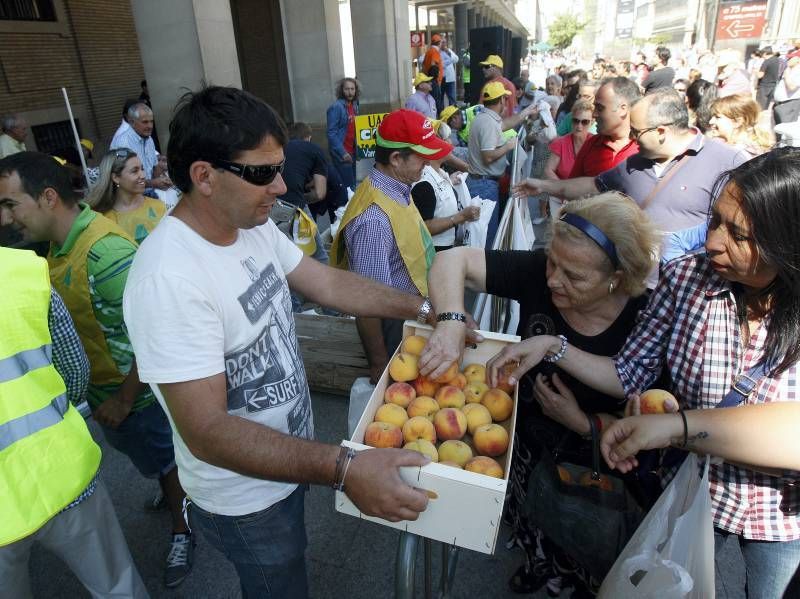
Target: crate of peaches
(463, 425)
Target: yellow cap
(493, 60)
(60, 160)
(448, 112)
(87, 144)
(421, 78)
(494, 90)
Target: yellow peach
(413, 345)
(391, 413)
(475, 391)
(419, 427)
(403, 367)
(424, 447)
(425, 386)
(499, 404)
(484, 465)
(451, 464)
(450, 423)
(448, 375)
(400, 394)
(423, 406)
(477, 415)
(450, 397)
(383, 434)
(490, 439)
(455, 451)
(653, 401)
(475, 373)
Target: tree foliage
(564, 29)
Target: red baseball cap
(410, 129)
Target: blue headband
(594, 234)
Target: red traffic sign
(741, 20)
(417, 39)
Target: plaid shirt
(371, 248)
(690, 327)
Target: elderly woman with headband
(119, 194)
(723, 324)
(588, 285)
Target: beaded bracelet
(562, 350)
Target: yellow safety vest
(70, 277)
(47, 456)
(410, 233)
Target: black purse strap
(595, 447)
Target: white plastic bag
(474, 231)
(360, 393)
(671, 554)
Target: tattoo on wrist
(700, 436)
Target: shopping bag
(671, 554)
(304, 232)
(360, 393)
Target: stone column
(462, 35)
(195, 34)
(381, 42)
(471, 21)
(313, 38)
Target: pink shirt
(564, 148)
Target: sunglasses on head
(256, 174)
(123, 153)
(584, 122)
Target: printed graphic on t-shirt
(268, 373)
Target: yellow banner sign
(366, 125)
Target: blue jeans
(487, 189)
(450, 91)
(769, 566)
(346, 171)
(267, 548)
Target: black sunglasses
(256, 174)
(584, 122)
(635, 134)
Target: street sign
(741, 20)
(417, 39)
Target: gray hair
(556, 78)
(10, 121)
(623, 88)
(666, 107)
(137, 111)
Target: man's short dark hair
(663, 54)
(766, 50)
(299, 131)
(218, 123)
(624, 88)
(666, 107)
(494, 101)
(383, 155)
(37, 172)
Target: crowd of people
(167, 295)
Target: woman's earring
(611, 288)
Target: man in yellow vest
(89, 260)
(49, 489)
(382, 235)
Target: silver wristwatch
(424, 311)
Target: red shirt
(597, 156)
(349, 142)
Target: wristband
(685, 429)
(552, 358)
(451, 316)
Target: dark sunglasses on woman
(584, 122)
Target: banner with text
(741, 20)
(366, 124)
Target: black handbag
(589, 515)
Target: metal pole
(404, 566)
(77, 137)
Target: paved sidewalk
(346, 557)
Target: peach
(391, 413)
(383, 434)
(413, 345)
(419, 427)
(459, 381)
(603, 481)
(502, 379)
(403, 367)
(424, 447)
(477, 415)
(564, 475)
(448, 375)
(425, 386)
(450, 397)
(451, 464)
(653, 401)
(490, 439)
(423, 406)
(475, 391)
(455, 451)
(484, 465)
(499, 404)
(450, 423)
(400, 394)
(475, 373)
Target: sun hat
(494, 90)
(421, 78)
(493, 60)
(448, 112)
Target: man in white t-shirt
(208, 309)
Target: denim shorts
(267, 548)
(145, 436)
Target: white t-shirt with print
(193, 310)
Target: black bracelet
(685, 429)
(451, 316)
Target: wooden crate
(332, 352)
(469, 506)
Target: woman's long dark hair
(700, 95)
(768, 188)
(572, 94)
